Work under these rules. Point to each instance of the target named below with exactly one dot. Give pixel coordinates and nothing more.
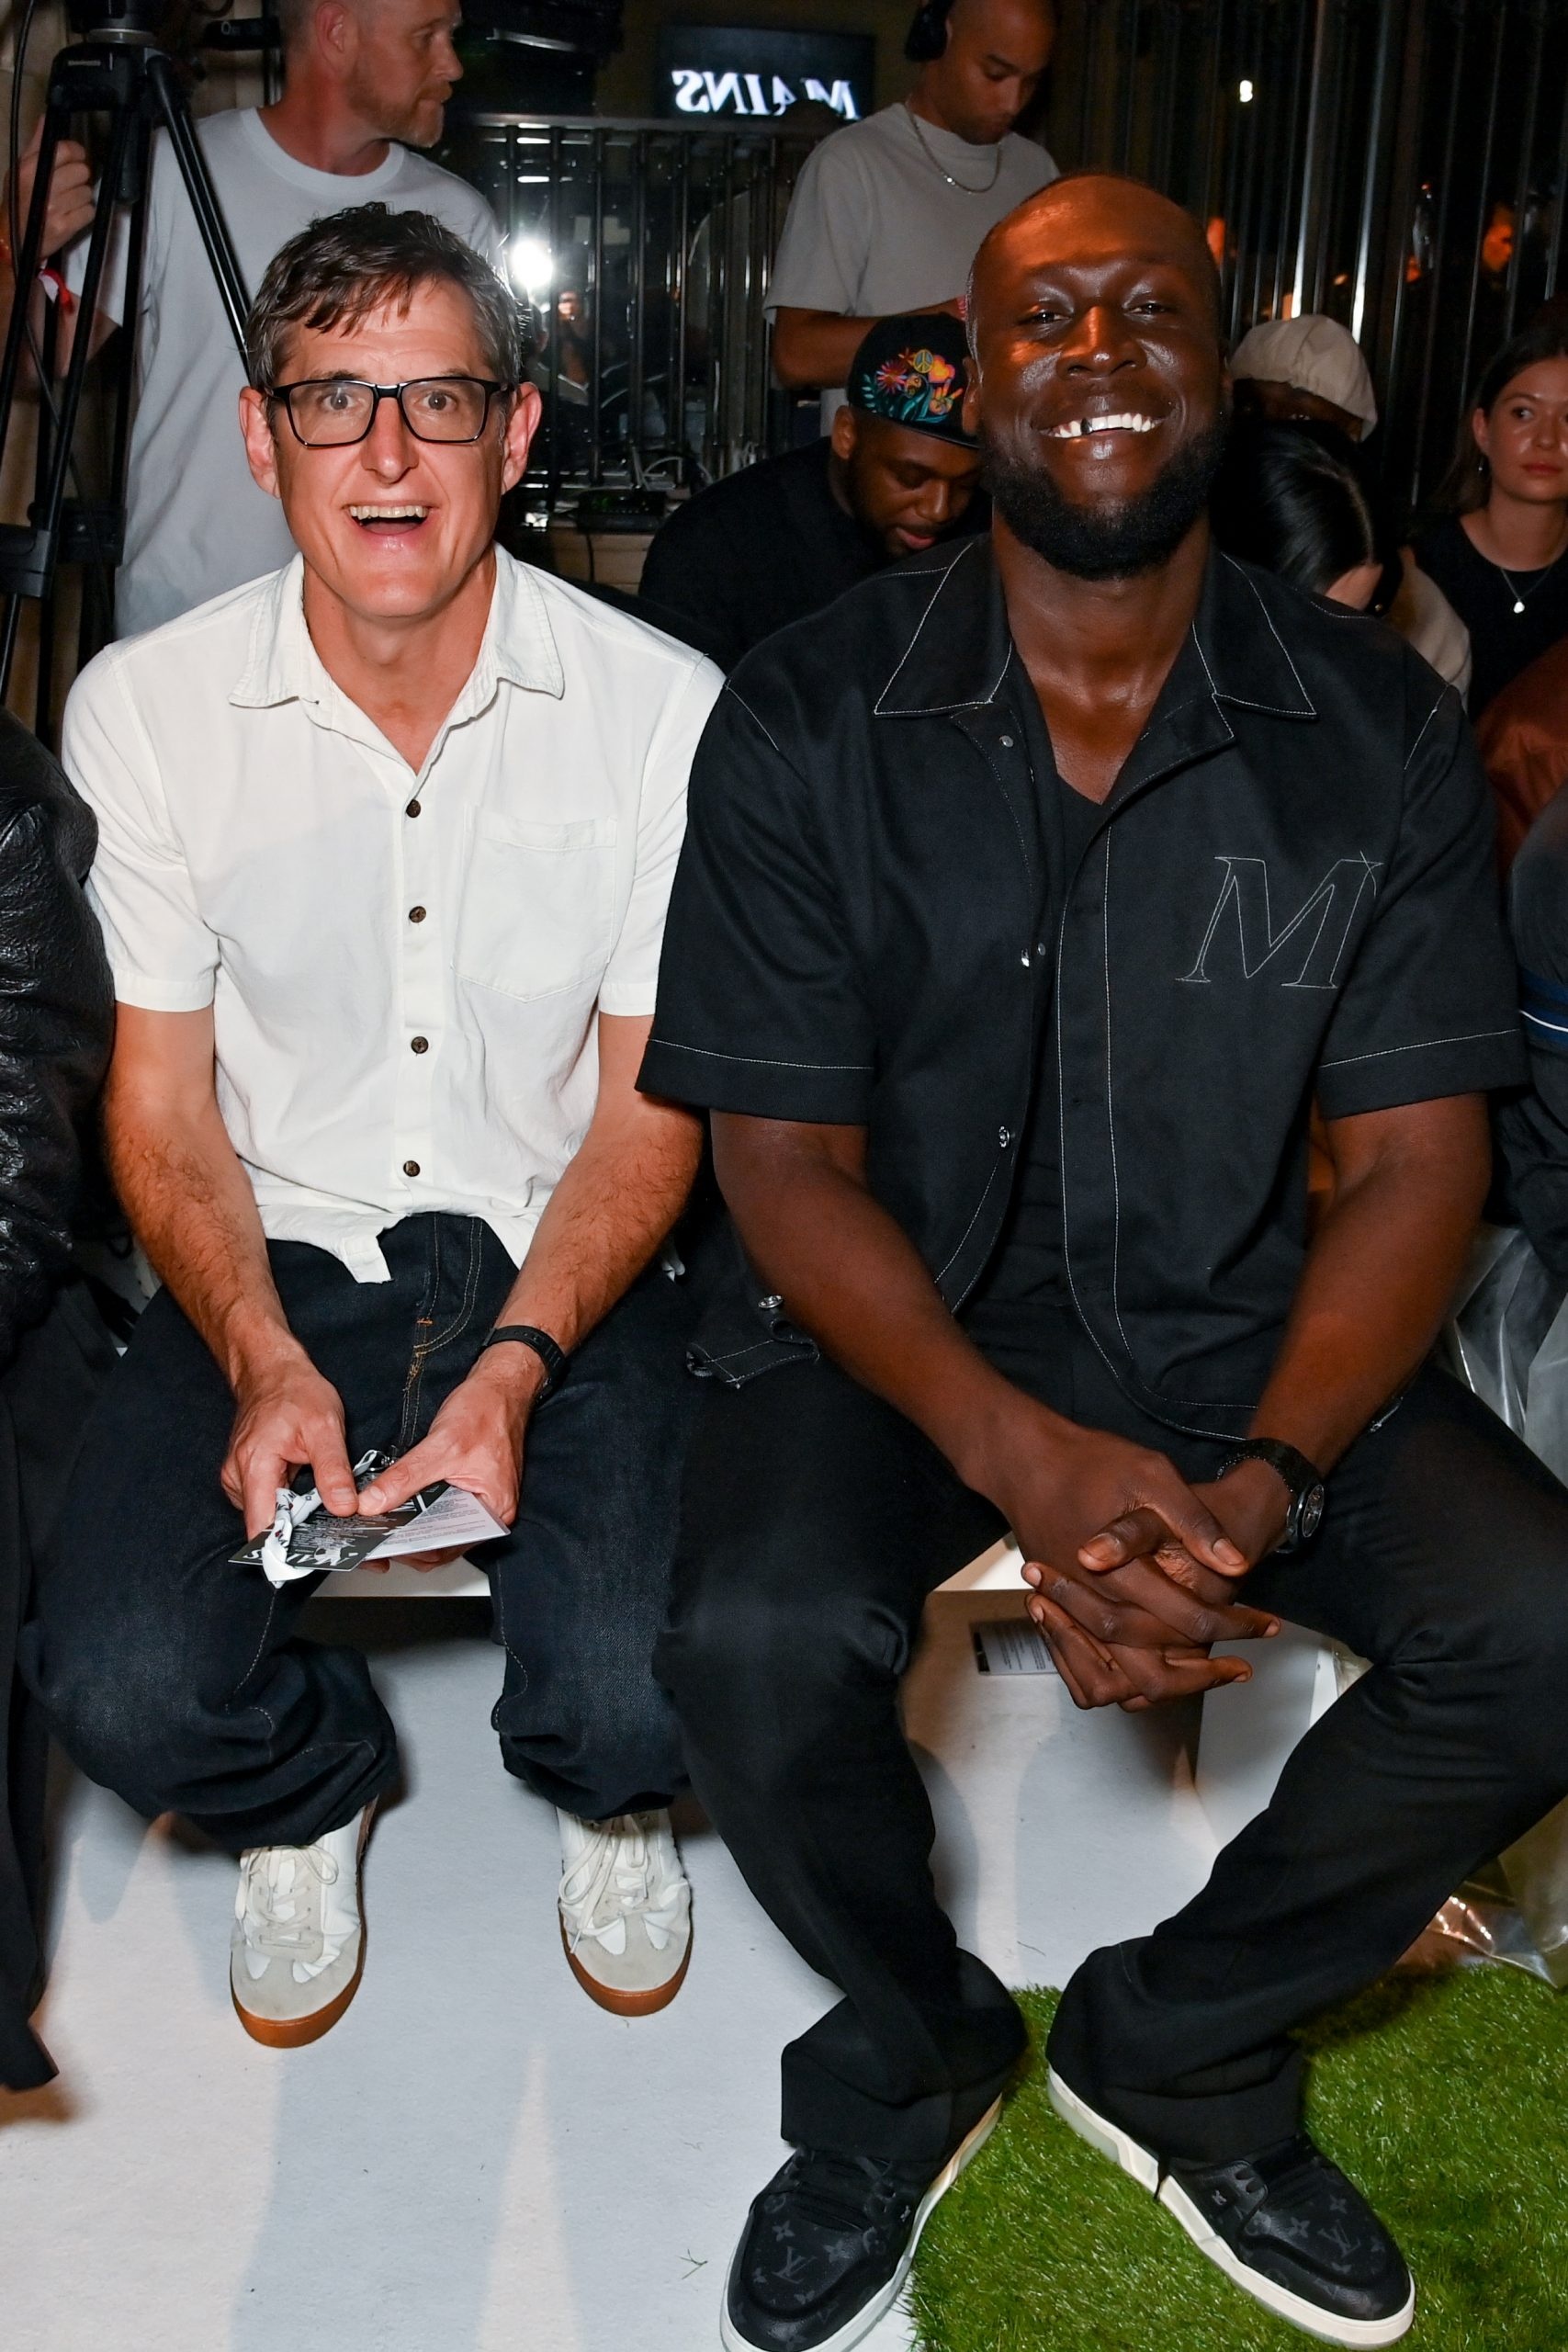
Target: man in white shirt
(366, 81)
(887, 214)
(386, 841)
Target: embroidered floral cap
(911, 371)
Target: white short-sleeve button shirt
(404, 969)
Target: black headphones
(927, 37)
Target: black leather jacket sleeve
(56, 1022)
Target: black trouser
(178, 1680)
(816, 1520)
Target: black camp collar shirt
(1289, 893)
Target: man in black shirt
(783, 538)
(1028, 904)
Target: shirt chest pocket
(538, 905)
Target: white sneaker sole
(865, 2319)
(1143, 2166)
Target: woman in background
(1291, 499)
(1500, 552)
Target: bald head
(989, 68)
(389, 65)
(1091, 214)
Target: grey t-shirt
(196, 522)
(874, 229)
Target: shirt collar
(518, 647)
(957, 654)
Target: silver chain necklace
(936, 164)
(1538, 581)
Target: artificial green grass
(1446, 2100)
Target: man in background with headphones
(887, 214)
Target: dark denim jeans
(180, 1682)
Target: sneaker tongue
(834, 2189)
(1291, 2172)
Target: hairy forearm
(1378, 1279)
(191, 1207)
(612, 1207)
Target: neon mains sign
(698, 91)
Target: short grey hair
(344, 266)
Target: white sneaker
(298, 1949)
(625, 1910)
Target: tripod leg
(46, 514)
(26, 266)
(211, 228)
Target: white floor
(477, 2159)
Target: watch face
(1309, 1512)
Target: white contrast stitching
(1109, 1107)
(935, 709)
(767, 730)
(1284, 648)
(1425, 724)
(752, 1061)
(1424, 1046)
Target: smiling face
(392, 526)
(1100, 390)
(400, 64)
(1526, 435)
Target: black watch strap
(1309, 1495)
(551, 1355)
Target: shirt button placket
(423, 1007)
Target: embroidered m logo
(1309, 948)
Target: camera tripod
(119, 70)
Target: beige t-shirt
(874, 229)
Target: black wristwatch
(1309, 1496)
(550, 1353)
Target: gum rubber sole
(625, 2004)
(865, 2319)
(297, 2034)
(1143, 2165)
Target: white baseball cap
(1314, 355)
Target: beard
(1109, 541)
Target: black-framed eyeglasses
(333, 412)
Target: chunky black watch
(551, 1355)
(1308, 1493)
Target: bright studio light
(532, 266)
(1245, 94)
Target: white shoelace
(279, 1908)
(613, 1881)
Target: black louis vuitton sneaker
(828, 2245)
(1284, 2224)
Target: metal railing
(646, 249)
(1398, 163)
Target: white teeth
(389, 514)
(1083, 426)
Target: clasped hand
(1132, 1569)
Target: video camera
(177, 25)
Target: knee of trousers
(1499, 1668)
(777, 1664)
(133, 1723)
